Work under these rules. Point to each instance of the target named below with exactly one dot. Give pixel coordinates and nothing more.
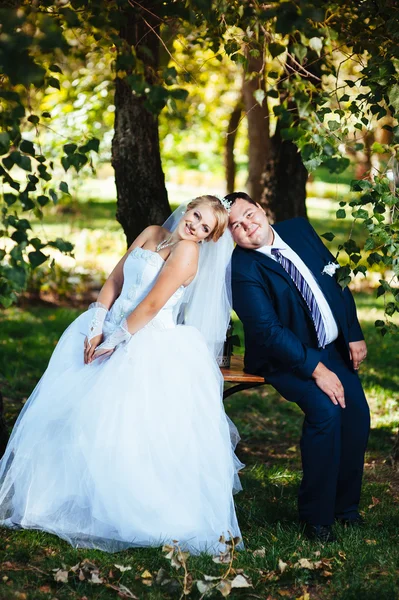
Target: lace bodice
(140, 272)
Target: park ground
(278, 561)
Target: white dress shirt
(330, 324)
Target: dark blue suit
(281, 345)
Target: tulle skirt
(135, 451)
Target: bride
(124, 442)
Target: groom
(302, 334)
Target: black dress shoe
(319, 533)
(357, 521)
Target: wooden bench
(235, 374)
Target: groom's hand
(357, 353)
(329, 383)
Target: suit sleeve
(269, 340)
(355, 331)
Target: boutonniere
(330, 269)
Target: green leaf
(54, 82)
(65, 163)
(328, 236)
(55, 69)
(390, 308)
(70, 148)
(360, 214)
(333, 125)
(25, 163)
(393, 96)
(43, 200)
(316, 44)
(9, 198)
(61, 245)
(19, 236)
(300, 51)
(64, 187)
(37, 258)
(93, 144)
(27, 147)
(4, 142)
(369, 244)
(276, 49)
(379, 323)
(341, 213)
(54, 196)
(179, 94)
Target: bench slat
(235, 373)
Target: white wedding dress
(134, 451)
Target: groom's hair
(235, 195)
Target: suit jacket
(280, 337)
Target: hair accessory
(226, 203)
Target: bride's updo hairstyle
(221, 215)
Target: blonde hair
(221, 215)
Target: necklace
(164, 244)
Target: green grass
(362, 564)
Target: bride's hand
(103, 353)
(89, 348)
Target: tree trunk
(229, 162)
(3, 429)
(140, 182)
(284, 181)
(284, 177)
(395, 453)
(258, 127)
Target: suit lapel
(307, 252)
(273, 265)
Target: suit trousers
(333, 441)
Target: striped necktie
(306, 293)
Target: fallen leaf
(326, 573)
(304, 563)
(374, 502)
(146, 575)
(224, 587)
(306, 596)
(241, 581)
(292, 449)
(260, 552)
(282, 565)
(284, 593)
(46, 589)
(371, 542)
(122, 568)
(222, 559)
(20, 596)
(61, 576)
(204, 586)
(95, 578)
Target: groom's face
(249, 225)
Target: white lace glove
(98, 313)
(118, 337)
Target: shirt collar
(278, 242)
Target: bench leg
(239, 388)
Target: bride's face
(197, 224)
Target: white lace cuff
(98, 313)
(120, 336)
